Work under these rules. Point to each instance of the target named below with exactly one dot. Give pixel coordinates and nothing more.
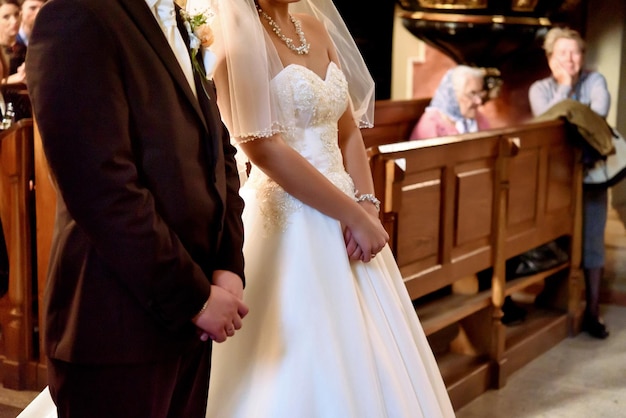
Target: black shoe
(594, 327)
(513, 314)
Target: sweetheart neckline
(323, 79)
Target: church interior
(460, 210)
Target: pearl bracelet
(367, 197)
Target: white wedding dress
(325, 337)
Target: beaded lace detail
(317, 105)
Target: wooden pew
(27, 208)
(17, 311)
(394, 121)
(458, 205)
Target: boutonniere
(200, 39)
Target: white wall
(406, 49)
(606, 52)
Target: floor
(581, 377)
(12, 402)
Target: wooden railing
(27, 210)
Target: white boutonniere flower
(200, 39)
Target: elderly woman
(454, 110)
(565, 53)
(454, 107)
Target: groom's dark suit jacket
(148, 187)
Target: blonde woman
(565, 51)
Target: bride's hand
(368, 234)
(352, 247)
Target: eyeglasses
(477, 95)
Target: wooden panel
(474, 207)
(559, 193)
(546, 155)
(523, 180)
(394, 121)
(419, 216)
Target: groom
(146, 261)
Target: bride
(331, 331)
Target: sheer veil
(248, 62)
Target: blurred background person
(565, 50)
(454, 108)
(30, 8)
(14, 89)
(4, 256)
(10, 21)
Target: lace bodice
(316, 104)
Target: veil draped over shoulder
(248, 62)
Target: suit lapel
(145, 21)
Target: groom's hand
(222, 315)
(230, 281)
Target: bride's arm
(355, 159)
(301, 180)
(357, 165)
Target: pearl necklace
(303, 49)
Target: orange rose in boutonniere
(200, 39)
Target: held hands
(366, 237)
(224, 311)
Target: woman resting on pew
(454, 108)
(565, 53)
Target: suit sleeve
(230, 253)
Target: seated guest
(10, 21)
(454, 110)
(14, 85)
(454, 107)
(30, 8)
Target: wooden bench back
(17, 217)
(394, 121)
(456, 205)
